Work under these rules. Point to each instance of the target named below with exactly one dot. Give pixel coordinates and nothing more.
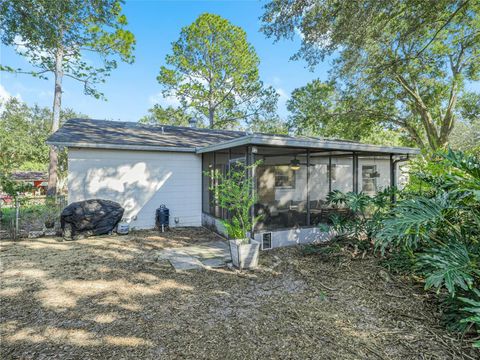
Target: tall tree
(166, 116)
(319, 109)
(23, 131)
(213, 71)
(408, 60)
(56, 36)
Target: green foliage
(473, 310)
(400, 66)
(23, 131)
(158, 115)
(233, 192)
(451, 266)
(318, 109)
(213, 71)
(11, 187)
(70, 28)
(365, 211)
(273, 125)
(437, 225)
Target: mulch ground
(111, 298)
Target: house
(142, 167)
(37, 180)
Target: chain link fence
(30, 216)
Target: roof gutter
(121, 146)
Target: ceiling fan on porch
(295, 164)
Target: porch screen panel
(318, 187)
(342, 173)
(221, 165)
(238, 154)
(373, 174)
(281, 190)
(207, 168)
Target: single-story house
(142, 167)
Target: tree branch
(442, 27)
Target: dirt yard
(111, 298)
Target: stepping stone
(185, 263)
(214, 262)
(214, 249)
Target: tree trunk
(211, 114)
(57, 102)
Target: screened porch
(292, 183)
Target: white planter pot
(244, 254)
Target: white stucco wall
(140, 181)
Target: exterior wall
(140, 181)
(213, 224)
(280, 238)
(295, 236)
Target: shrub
(365, 212)
(437, 224)
(234, 192)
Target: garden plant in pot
(233, 191)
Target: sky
(132, 89)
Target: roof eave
(267, 140)
(106, 146)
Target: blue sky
(132, 89)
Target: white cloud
(5, 96)
(159, 98)
(299, 33)
(276, 80)
(23, 50)
(282, 101)
(283, 94)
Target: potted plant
(234, 193)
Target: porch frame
(250, 143)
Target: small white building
(142, 167)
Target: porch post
(308, 187)
(392, 177)
(355, 173)
(329, 173)
(250, 161)
(214, 200)
(229, 166)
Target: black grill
(162, 217)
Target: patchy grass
(110, 297)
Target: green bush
(364, 212)
(233, 191)
(437, 225)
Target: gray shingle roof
(117, 134)
(86, 133)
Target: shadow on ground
(113, 297)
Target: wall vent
(266, 241)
